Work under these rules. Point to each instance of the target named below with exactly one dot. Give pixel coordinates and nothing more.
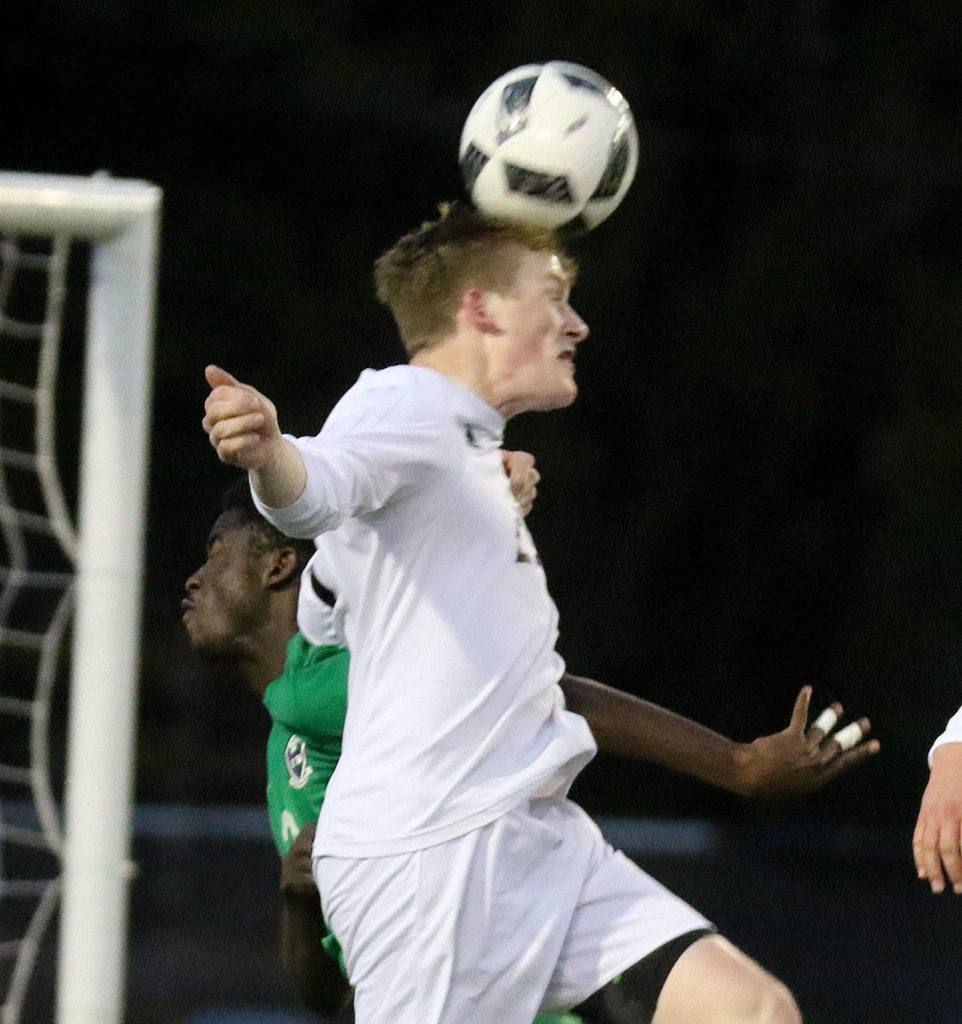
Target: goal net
(71, 566)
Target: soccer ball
(551, 144)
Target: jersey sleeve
(952, 734)
(376, 443)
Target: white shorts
(532, 912)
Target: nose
(193, 582)
(576, 328)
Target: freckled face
(533, 357)
(224, 596)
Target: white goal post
(120, 219)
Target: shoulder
(309, 671)
(403, 413)
(303, 656)
(387, 389)
(413, 393)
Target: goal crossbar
(120, 218)
(98, 207)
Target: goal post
(120, 218)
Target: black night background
(760, 485)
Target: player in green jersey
(241, 608)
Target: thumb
(216, 377)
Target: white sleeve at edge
(952, 734)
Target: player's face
(534, 354)
(224, 595)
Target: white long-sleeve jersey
(952, 734)
(454, 710)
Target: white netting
(36, 589)
(55, 575)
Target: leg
(714, 981)
(710, 982)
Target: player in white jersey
(937, 842)
(461, 883)
(240, 608)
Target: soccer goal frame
(120, 219)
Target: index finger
(232, 404)
(825, 723)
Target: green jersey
(307, 705)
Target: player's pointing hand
(242, 426)
(240, 421)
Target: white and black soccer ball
(552, 144)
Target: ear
(280, 568)
(475, 308)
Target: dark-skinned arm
(316, 976)
(797, 760)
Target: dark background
(759, 485)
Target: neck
(263, 660)
(465, 360)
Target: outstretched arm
(316, 975)
(797, 760)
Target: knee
(765, 1000)
(713, 982)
